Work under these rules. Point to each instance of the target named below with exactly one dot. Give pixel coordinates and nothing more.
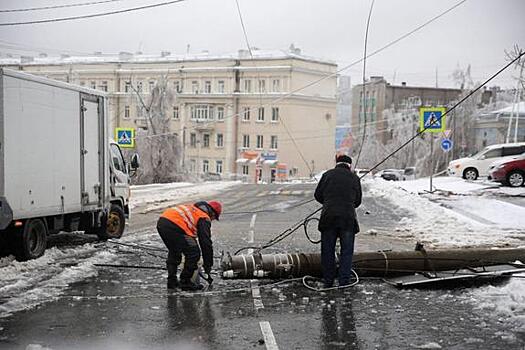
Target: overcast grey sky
(475, 33)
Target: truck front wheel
(116, 222)
(32, 241)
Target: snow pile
(441, 223)
(507, 302)
(156, 195)
(30, 283)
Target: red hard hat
(217, 208)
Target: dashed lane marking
(269, 339)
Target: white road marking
(269, 339)
(256, 292)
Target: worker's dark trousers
(178, 243)
(328, 240)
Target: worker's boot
(188, 285)
(173, 281)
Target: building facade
(381, 95)
(234, 114)
(492, 128)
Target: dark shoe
(190, 286)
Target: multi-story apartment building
(380, 95)
(258, 116)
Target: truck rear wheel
(115, 223)
(32, 240)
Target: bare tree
(157, 145)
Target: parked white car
(472, 167)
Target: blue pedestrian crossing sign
(446, 144)
(432, 119)
(125, 137)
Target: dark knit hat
(343, 159)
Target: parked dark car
(510, 173)
(391, 174)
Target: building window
(127, 86)
(260, 115)
(207, 87)
(273, 142)
(82, 83)
(262, 85)
(276, 85)
(220, 113)
(193, 140)
(193, 165)
(275, 114)
(220, 140)
(205, 166)
(103, 85)
(246, 141)
(260, 141)
(206, 140)
(220, 86)
(218, 166)
(246, 113)
(139, 86)
(176, 112)
(93, 84)
(151, 85)
(126, 112)
(195, 87)
(177, 86)
(202, 112)
(247, 86)
(245, 170)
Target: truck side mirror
(135, 161)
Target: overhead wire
(57, 6)
(327, 76)
(281, 120)
(94, 15)
(364, 98)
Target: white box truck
(59, 171)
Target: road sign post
(432, 120)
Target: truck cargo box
(53, 148)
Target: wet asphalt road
(131, 309)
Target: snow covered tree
(157, 145)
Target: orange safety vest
(186, 217)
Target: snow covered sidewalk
(461, 214)
(156, 196)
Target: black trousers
(179, 243)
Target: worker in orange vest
(186, 229)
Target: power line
(447, 112)
(328, 76)
(63, 19)
(364, 83)
(281, 120)
(58, 6)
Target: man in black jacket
(339, 191)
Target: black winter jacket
(339, 191)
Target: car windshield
(478, 154)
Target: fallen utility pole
(381, 263)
